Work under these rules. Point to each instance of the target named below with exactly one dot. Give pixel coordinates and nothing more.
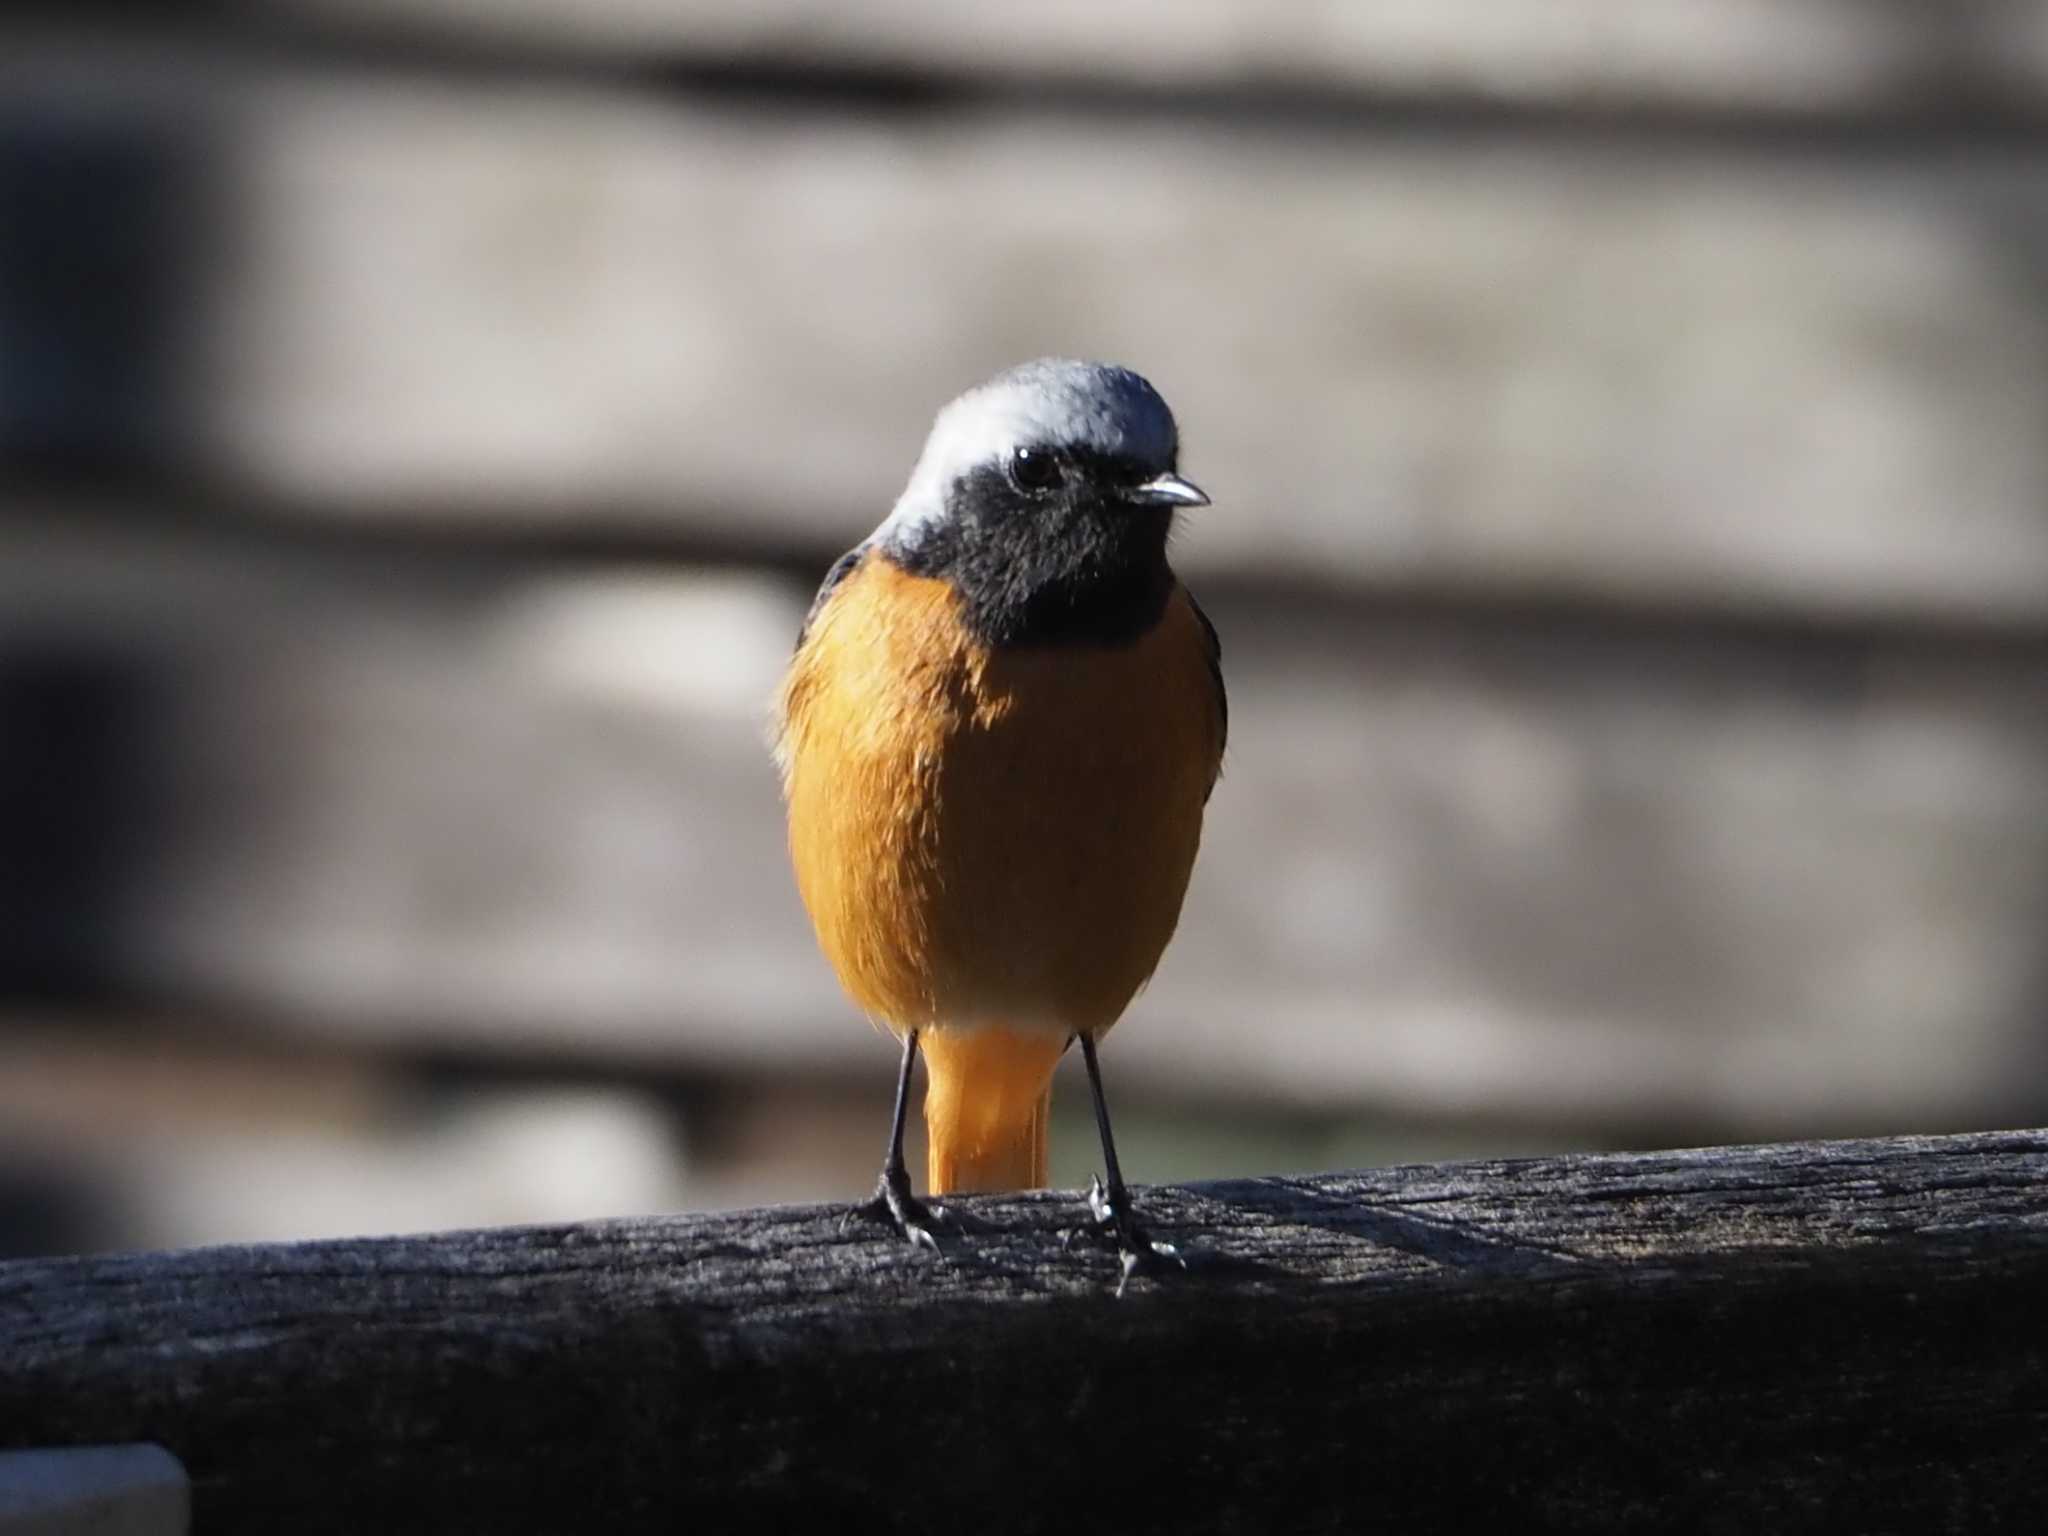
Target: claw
(1139, 1253)
(1099, 1204)
(1146, 1257)
(895, 1206)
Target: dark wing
(842, 568)
(1216, 674)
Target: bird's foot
(895, 1206)
(1141, 1253)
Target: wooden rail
(1846, 1336)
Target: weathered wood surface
(1795, 384)
(1797, 58)
(1526, 869)
(1813, 1337)
(1805, 378)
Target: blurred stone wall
(422, 427)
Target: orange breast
(992, 837)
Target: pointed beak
(1168, 491)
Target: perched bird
(997, 737)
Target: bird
(997, 736)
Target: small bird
(997, 739)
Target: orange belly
(992, 838)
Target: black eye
(1034, 469)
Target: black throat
(1080, 567)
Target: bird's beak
(1168, 491)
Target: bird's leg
(893, 1202)
(1111, 1206)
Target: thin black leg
(1116, 1174)
(893, 1202)
(1112, 1206)
(892, 1156)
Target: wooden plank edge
(1678, 1338)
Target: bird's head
(1045, 496)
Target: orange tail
(986, 1108)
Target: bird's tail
(986, 1108)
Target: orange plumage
(993, 843)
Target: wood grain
(1799, 383)
(1660, 881)
(1473, 355)
(1799, 59)
(1816, 1336)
